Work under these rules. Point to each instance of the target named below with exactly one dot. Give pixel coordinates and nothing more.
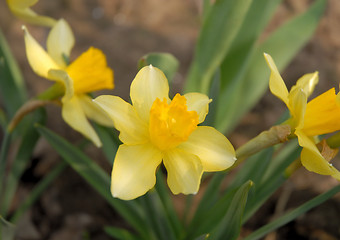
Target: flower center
(322, 114)
(171, 124)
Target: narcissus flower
(22, 10)
(88, 73)
(155, 129)
(319, 116)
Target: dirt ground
(126, 30)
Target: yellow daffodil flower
(317, 117)
(155, 129)
(88, 73)
(22, 10)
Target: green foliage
(164, 61)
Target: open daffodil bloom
(319, 116)
(88, 73)
(22, 10)
(155, 129)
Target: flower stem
(28, 107)
(275, 135)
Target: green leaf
(29, 139)
(157, 217)
(12, 90)
(119, 233)
(229, 227)
(109, 140)
(219, 29)
(237, 59)
(253, 168)
(97, 178)
(293, 214)
(6, 229)
(282, 45)
(272, 179)
(168, 205)
(164, 61)
(206, 221)
(38, 190)
(210, 197)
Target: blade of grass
(119, 233)
(29, 139)
(37, 191)
(98, 179)
(282, 45)
(12, 88)
(293, 214)
(165, 198)
(230, 225)
(109, 140)
(219, 29)
(156, 216)
(6, 229)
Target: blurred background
(126, 30)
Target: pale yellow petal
(60, 41)
(184, 171)
(213, 149)
(198, 102)
(297, 106)
(312, 159)
(62, 77)
(20, 8)
(307, 82)
(93, 111)
(132, 129)
(150, 83)
(21, 3)
(74, 115)
(29, 16)
(37, 57)
(134, 170)
(276, 83)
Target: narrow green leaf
(217, 34)
(156, 216)
(237, 59)
(293, 214)
(12, 88)
(271, 182)
(168, 205)
(6, 229)
(110, 141)
(29, 139)
(119, 233)
(210, 197)
(38, 190)
(214, 95)
(229, 227)
(208, 220)
(164, 61)
(97, 178)
(3, 120)
(282, 45)
(253, 168)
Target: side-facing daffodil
(88, 73)
(155, 129)
(21, 9)
(319, 116)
